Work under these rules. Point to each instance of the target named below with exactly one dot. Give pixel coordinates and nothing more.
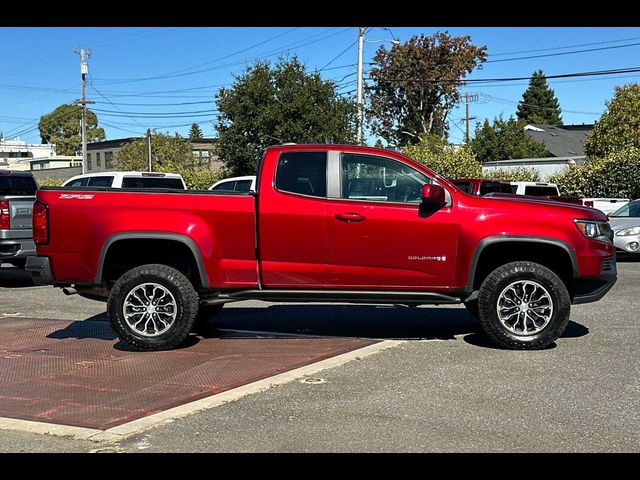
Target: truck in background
(17, 194)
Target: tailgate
(21, 212)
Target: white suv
(235, 184)
(127, 180)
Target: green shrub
(50, 182)
(614, 176)
(201, 179)
(448, 161)
(518, 174)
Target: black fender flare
(189, 242)
(485, 242)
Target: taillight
(5, 215)
(40, 223)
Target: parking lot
(442, 388)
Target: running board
(346, 296)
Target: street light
(359, 103)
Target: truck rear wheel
(523, 306)
(152, 307)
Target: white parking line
(136, 426)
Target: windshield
(540, 191)
(17, 185)
(631, 209)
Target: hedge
(617, 176)
(518, 174)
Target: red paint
(307, 242)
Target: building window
(88, 161)
(108, 159)
(205, 156)
(98, 159)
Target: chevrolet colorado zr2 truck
(331, 223)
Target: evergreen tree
(195, 133)
(539, 103)
(504, 139)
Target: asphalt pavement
(445, 389)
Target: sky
(165, 78)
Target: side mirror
(433, 195)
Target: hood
(578, 210)
(618, 223)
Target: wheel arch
(163, 236)
(484, 249)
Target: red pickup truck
(334, 223)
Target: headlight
(594, 229)
(628, 231)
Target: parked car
(127, 180)
(331, 223)
(481, 186)
(606, 205)
(625, 223)
(17, 194)
(235, 184)
(544, 190)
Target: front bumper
(40, 270)
(592, 289)
(627, 243)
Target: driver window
(379, 179)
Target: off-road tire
(503, 276)
(178, 285)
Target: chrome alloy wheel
(524, 307)
(150, 309)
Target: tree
(415, 85)
(445, 159)
(505, 139)
(273, 105)
(539, 103)
(619, 127)
(62, 128)
(168, 154)
(195, 133)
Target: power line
(339, 55)
(129, 80)
(298, 44)
(504, 100)
(510, 79)
(563, 53)
(562, 48)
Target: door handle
(350, 217)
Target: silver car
(625, 223)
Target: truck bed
(84, 222)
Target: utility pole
(149, 147)
(467, 98)
(84, 70)
(360, 112)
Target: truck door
(379, 237)
(292, 220)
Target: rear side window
(152, 182)
(464, 186)
(506, 188)
(514, 188)
(224, 187)
(81, 182)
(17, 185)
(243, 186)
(100, 181)
(304, 173)
(490, 187)
(540, 191)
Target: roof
(116, 143)
(561, 141)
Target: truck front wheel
(152, 307)
(523, 305)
